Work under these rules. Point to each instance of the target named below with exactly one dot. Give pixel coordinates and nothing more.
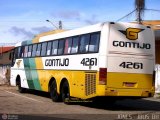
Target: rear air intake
(90, 84)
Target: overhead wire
(133, 12)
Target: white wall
(3, 70)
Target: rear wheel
(65, 92)
(53, 92)
(20, 89)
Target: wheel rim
(65, 94)
(19, 87)
(53, 92)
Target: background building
(5, 63)
(4, 55)
(155, 25)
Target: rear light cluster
(153, 78)
(102, 76)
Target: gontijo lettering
(57, 62)
(131, 45)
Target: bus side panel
(82, 84)
(42, 76)
(31, 73)
(18, 69)
(13, 77)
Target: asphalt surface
(35, 105)
(38, 105)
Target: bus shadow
(151, 104)
(128, 104)
(38, 93)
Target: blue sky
(22, 19)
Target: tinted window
(49, 48)
(43, 49)
(22, 51)
(54, 47)
(68, 45)
(38, 50)
(94, 42)
(75, 42)
(19, 52)
(16, 53)
(84, 43)
(25, 51)
(60, 47)
(29, 51)
(34, 50)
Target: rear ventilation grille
(90, 84)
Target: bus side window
(68, 44)
(60, 47)
(29, 50)
(25, 51)
(38, 50)
(15, 52)
(34, 50)
(12, 57)
(84, 42)
(22, 52)
(75, 42)
(94, 42)
(54, 47)
(19, 52)
(43, 49)
(49, 45)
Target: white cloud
(67, 14)
(17, 31)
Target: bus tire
(53, 92)
(20, 89)
(65, 92)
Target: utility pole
(52, 24)
(140, 7)
(60, 25)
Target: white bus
(102, 60)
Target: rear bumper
(130, 92)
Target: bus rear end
(130, 61)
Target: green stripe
(30, 71)
(34, 74)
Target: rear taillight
(102, 76)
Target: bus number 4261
(89, 62)
(131, 65)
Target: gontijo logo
(18, 63)
(131, 33)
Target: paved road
(35, 104)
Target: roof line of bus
(45, 36)
(58, 34)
